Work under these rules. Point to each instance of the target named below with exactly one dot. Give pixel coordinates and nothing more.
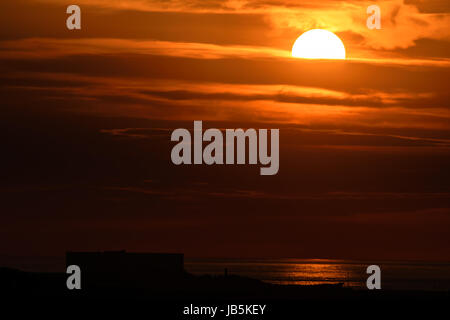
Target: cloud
(273, 91)
(52, 48)
(405, 218)
(200, 191)
(137, 133)
(402, 24)
(244, 22)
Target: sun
(318, 44)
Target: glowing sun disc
(318, 44)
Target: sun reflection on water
(318, 273)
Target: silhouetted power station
(121, 268)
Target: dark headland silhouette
(161, 279)
(121, 269)
(163, 275)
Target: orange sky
(209, 43)
(139, 68)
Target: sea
(395, 275)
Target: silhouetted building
(127, 269)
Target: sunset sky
(87, 116)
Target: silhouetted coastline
(121, 274)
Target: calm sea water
(394, 275)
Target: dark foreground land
(166, 299)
